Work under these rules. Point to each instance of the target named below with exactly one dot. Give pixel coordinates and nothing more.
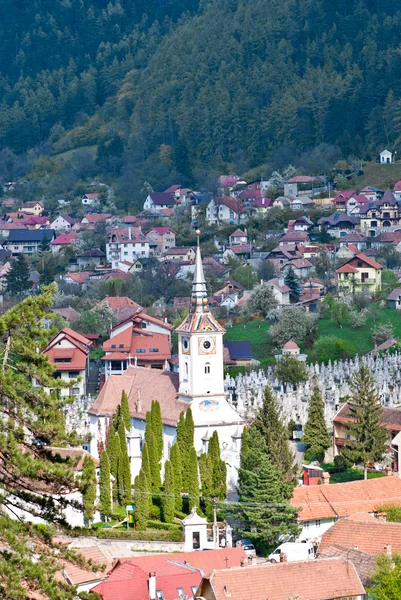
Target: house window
(317, 522)
(159, 595)
(153, 349)
(181, 593)
(207, 369)
(140, 350)
(143, 325)
(306, 525)
(364, 276)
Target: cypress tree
(244, 444)
(263, 509)
(141, 492)
(88, 486)
(114, 451)
(145, 465)
(124, 470)
(189, 428)
(316, 434)
(206, 477)
(274, 433)
(105, 489)
(157, 427)
(219, 468)
(124, 411)
(368, 437)
(175, 458)
(154, 464)
(293, 283)
(149, 423)
(193, 479)
(168, 497)
(182, 443)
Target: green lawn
(380, 176)
(361, 338)
(353, 475)
(255, 331)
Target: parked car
(248, 547)
(293, 551)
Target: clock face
(185, 345)
(207, 345)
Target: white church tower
(201, 379)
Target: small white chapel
(199, 385)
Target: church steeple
(199, 318)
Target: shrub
(381, 333)
(314, 453)
(341, 463)
(329, 347)
(358, 319)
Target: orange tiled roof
(306, 580)
(345, 499)
(368, 536)
(74, 359)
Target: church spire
(199, 301)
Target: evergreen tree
(193, 479)
(292, 282)
(175, 458)
(105, 486)
(219, 468)
(88, 486)
(145, 465)
(263, 508)
(273, 431)
(157, 427)
(114, 451)
(124, 411)
(168, 497)
(141, 495)
(244, 445)
(316, 434)
(17, 279)
(154, 463)
(368, 437)
(206, 477)
(123, 468)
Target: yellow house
(32, 208)
(360, 272)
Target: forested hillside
(215, 84)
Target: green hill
(178, 90)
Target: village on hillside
(224, 371)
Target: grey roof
(395, 294)
(338, 218)
(363, 562)
(95, 252)
(30, 235)
(161, 198)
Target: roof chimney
(355, 547)
(381, 516)
(130, 233)
(152, 585)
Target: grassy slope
(255, 331)
(380, 176)
(361, 337)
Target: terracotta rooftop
(291, 345)
(323, 579)
(345, 499)
(116, 303)
(347, 269)
(391, 416)
(363, 562)
(367, 536)
(142, 385)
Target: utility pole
(215, 526)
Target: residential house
(238, 353)
(340, 200)
(394, 299)
(238, 238)
(339, 224)
(354, 205)
(77, 279)
(321, 506)
(355, 238)
(281, 291)
(62, 223)
(397, 190)
(229, 287)
(391, 420)
(249, 196)
(8, 203)
(359, 272)
(294, 237)
(301, 224)
(181, 194)
(225, 209)
(364, 532)
(328, 579)
(199, 204)
(84, 578)
(282, 202)
(91, 199)
(184, 253)
(6, 227)
(142, 264)
(121, 306)
(33, 207)
(27, 241)
(372, 193)
(364, 563)
(129, 220)
(34, 222)
(302, 267)
(156, 201)
(69, 351)
(260, 206)
(95, 218)
(128, 243)
(380, 215)
(301, 203)
(386, 157)
(68, 314)
(91, 258)
(164, 238)
(237, 252)
(165, 576)
(64, 240)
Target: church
(199, 385)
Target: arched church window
(186, 370)
(207, 369)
